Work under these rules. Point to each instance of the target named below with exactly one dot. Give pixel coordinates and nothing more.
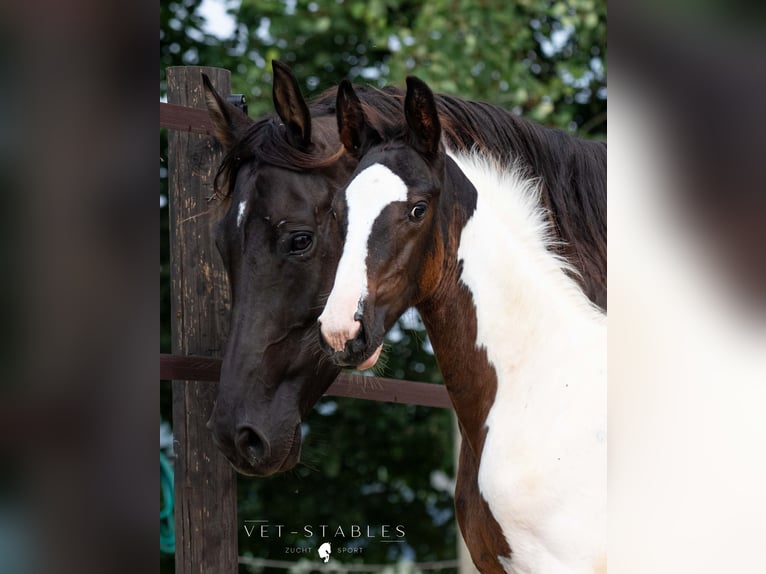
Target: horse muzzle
(359, 352)
(250, 451)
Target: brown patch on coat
(472, 385)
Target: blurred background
(367, 462)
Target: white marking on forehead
(367, 196)
(241, 212)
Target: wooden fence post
(205, 483)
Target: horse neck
(573, 172)
(505, 303)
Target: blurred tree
(544, 59)
(366, 462)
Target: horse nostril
(359, 311)
(252, 445)
(359, 343)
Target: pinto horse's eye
(300, 242)
(419, 211)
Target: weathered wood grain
(205, 484)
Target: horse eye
(300, 242)
(418, 212)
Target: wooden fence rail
(174, 367)
(185, 119)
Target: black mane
(572, 171)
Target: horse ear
(229, 122)
(422, 116)
(354, 131)
(290, 105)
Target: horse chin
(371, 361)
(294, 455)
(360, 361)
(361, 353)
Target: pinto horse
(472, 237)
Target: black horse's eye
(419, 211)
(300, 242)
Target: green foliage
(363, 463)
(543, 59)
(366, 462)
(539, 58)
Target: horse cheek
(432, 270)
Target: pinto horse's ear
(422, 116)
(290, 105)
(353, 130)
(229, 122)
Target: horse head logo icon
(324, 552)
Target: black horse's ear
(229, 122)
(422, 116)
(290, 105)
(353, 130)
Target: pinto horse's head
(280, 243)
(389, 212)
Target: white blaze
(241, 212)
(366, 197)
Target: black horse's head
(280, 243)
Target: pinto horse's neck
(520, 349)
(498, 274)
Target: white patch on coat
(241, 212)
(543, 468)
(367, 196)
